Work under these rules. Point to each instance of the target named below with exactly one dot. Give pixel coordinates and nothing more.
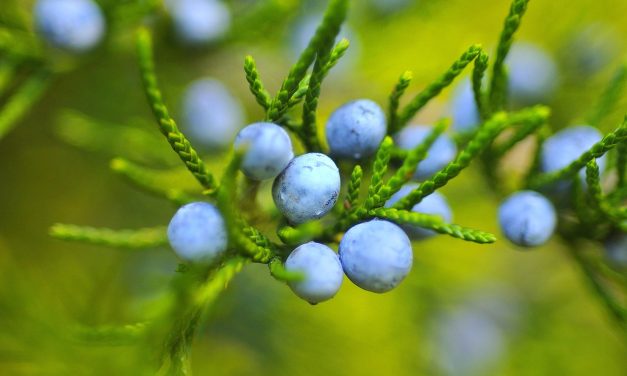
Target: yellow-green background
(259, 326)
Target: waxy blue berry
(565, 146)
(376, 255)
(321, 269)
(268, 150)
(308, 188)
(212, 115)
(197, 232)
(74, 25)
(356, 129)
(532, 74)
(199, 22)
(442, 151)
(463, 108)
(616, 250)
(434, 204)
(527, 218)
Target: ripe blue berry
(527, 218)
(464, 108)
(199, 22)
(440, 154)
(564, 147)
(321, 269)
(376, 255)
(308, 188)
(532, 74)
(197, 232)
(268, 150)
(74, 25)
(356, 129)
(212, 115)
(616, 250)
(434, 204)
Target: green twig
(431, 91)
(498, 85)
(167, 125)
(132, 239)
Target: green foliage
(133, 239)
(166, 124)
(479, 142)
(498, 85)
(597, 150)
(19, 103)
(254, 83)
(610, 97)
(328, 29)
(434, 223)
(197, 286)
(431, 91)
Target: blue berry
(464, 108)
(356, 129)
(434, 204)
(565, 146)
(467, 342)
(533, 75)
(616, 250)
(199, 22)
(591, 49)
(197, 232)
(74, 25)
(376, 255)
(440, 154)
(322, 272)
(308, 188)
(527, 218)
(268, 150)
(212, 115)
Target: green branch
(150, 181)
(254, 83)
(394, 102)
(167, 125)
(21, 101)
(435, 88)
(333, 17)
(597, 150)
(133, 239)
(433, 222)
(498, 85)
(479, 142)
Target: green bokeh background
(258, 326)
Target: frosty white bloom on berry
(376, 255)
(527, 218)
(442, 151)
(199, 22)
(268, 150)
(321, 270)
(212, 115)
(434, 204)
(356, 129)
(308, 188)
(197, 232)
(74, 25)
